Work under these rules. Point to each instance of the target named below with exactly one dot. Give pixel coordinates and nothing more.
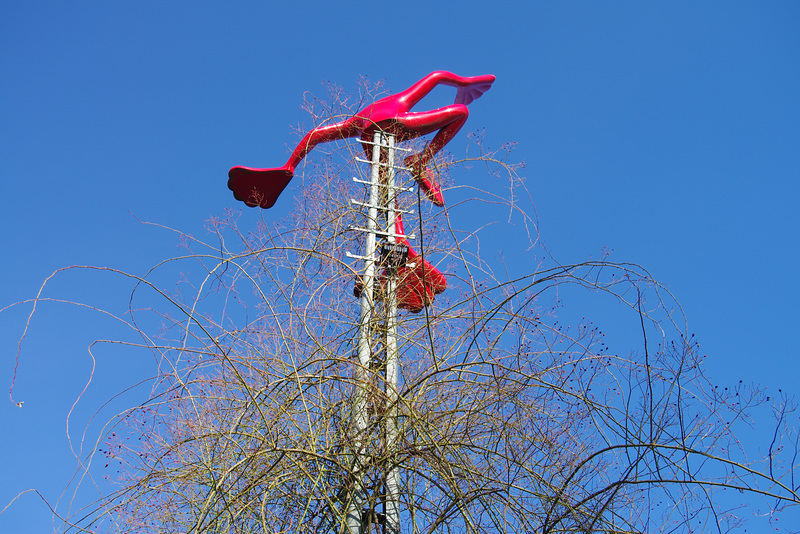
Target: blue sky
(669, 133)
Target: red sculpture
(418, 282)
(417, 285)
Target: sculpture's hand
(258, 187)
(474, 88)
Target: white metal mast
(381, 207)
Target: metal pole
(382, 206)
(391, 504)
(357, 498)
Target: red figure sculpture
(417, 285)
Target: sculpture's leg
(448, 120)
(418, 281)
(419, 90)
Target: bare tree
(510, 420)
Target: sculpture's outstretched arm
(262, 187)
(322, 134)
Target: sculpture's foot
(427, 180)
(417, 286)
(258, 187)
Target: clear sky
(668, 132)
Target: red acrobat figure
(262, 187)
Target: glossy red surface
(261, 187)
(418, 285)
